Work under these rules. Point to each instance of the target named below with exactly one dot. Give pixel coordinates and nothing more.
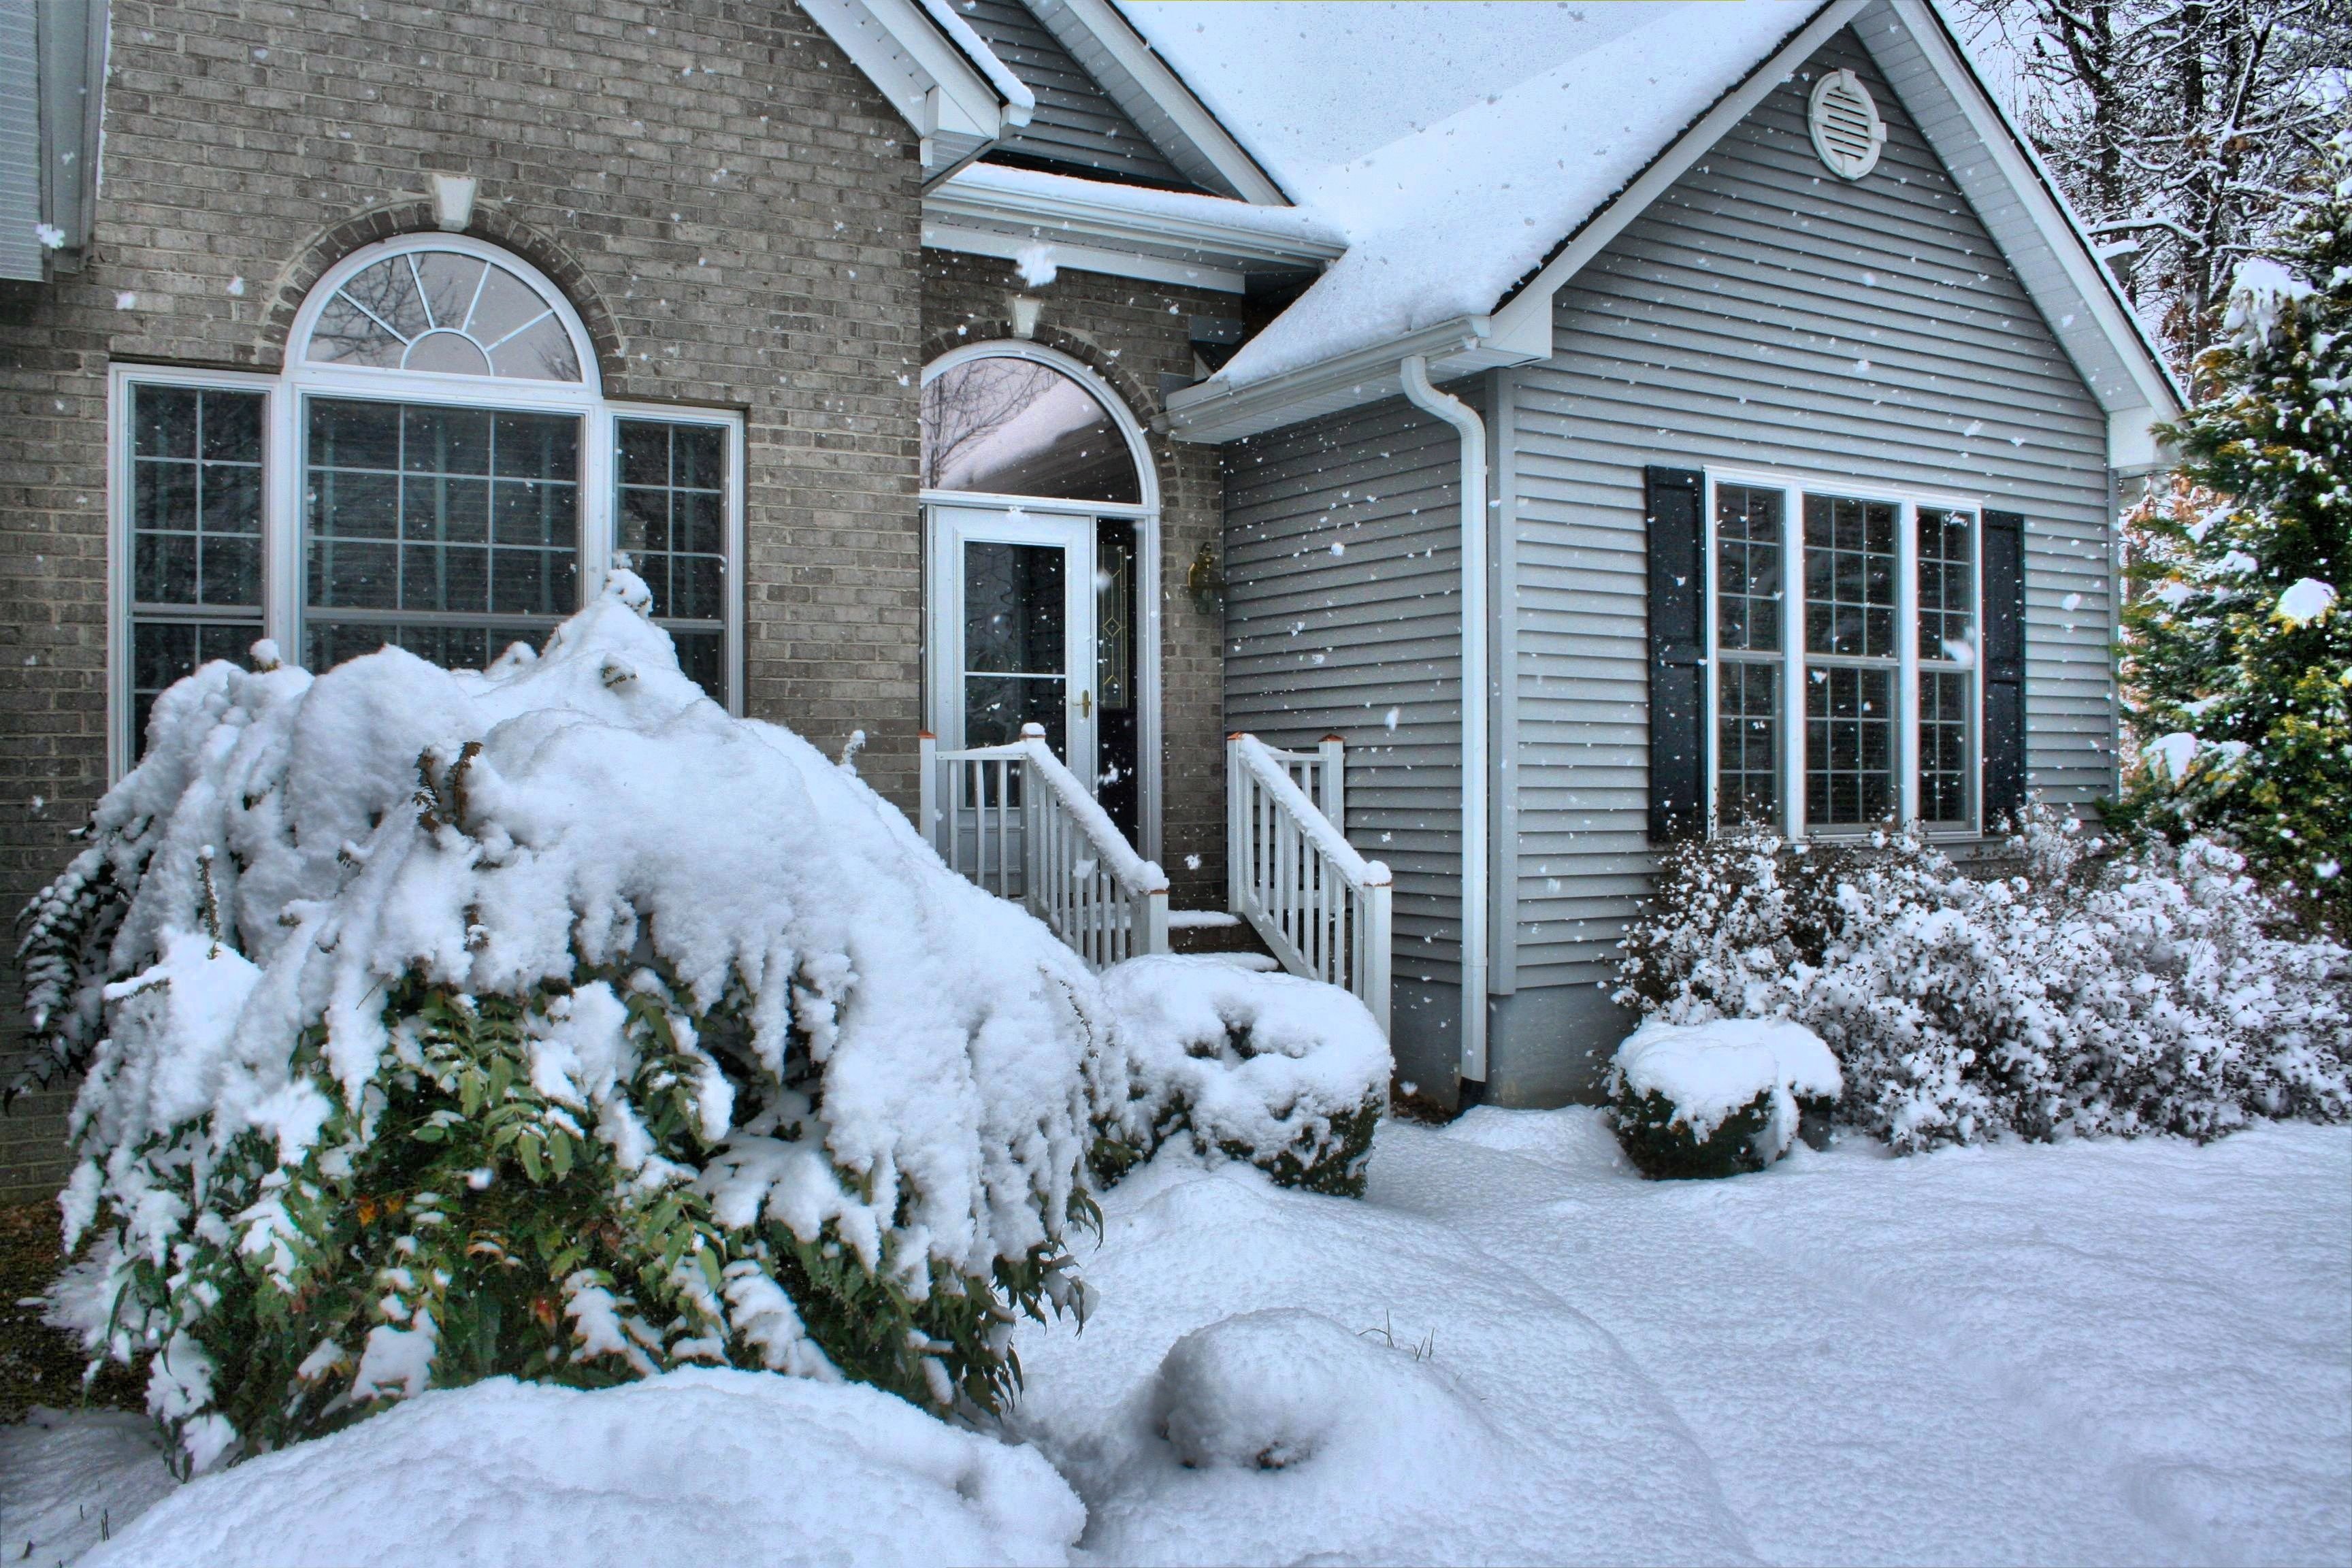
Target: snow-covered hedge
(545, 1020)
(1719, 1097)
(2106, 988)
(1289, 1074)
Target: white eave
(1165, 236)
(955, 94)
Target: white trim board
(942, 93)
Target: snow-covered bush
(1274, 1389)
(698, 1466)
(547, 1021)
(2108, 988)
(1289, 1074)
(1719, 1097)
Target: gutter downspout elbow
(1413, 373)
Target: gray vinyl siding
(20, 142)
(1730, 325)
(1320, 643)
(1076, 121)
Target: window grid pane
(327, 642)
(165, 651)
(1747, 569)
(1850, 547)
(1946, 586)
(195, 497)
(671, 530)
(1944, 746)
(418, 510)
(1849, 746)
(1748, 743)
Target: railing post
(1375, 990)
(1034, 891)
(1332, 798)
(926, 788)
(1155, 920)
(1237, 825)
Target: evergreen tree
(2238, 640)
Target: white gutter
(1216, 411)
(1412, 373)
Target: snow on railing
(1319, 906)
(1017, 822)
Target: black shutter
(1677, 654)
(2004, 665)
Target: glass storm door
(1015, 626)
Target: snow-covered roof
(1475, 156)
(1454, 145)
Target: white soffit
(950, 101)
(2029, 219)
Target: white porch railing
(1320, 906)
(1017, 822)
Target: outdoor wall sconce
(1206, 583)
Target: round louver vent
(1847, 132)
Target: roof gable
(1673, 84)
(1076, 125)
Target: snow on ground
(1514, 1350)
(2092, 1353)
(690, 1468)
(70, 1477)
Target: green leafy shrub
(548, 1022)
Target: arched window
(998, 425)
(437, 468)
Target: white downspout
(1413, 371)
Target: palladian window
(436, 469)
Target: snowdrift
(697, 1466)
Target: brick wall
(732, 208)
(1132, 332)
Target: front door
(1013, 630)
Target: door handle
(1085, 704)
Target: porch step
(1214, 931)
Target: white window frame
(1147, 590)
(287, 394)
(1794, 486)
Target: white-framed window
(1862, 602)
(436, 468)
